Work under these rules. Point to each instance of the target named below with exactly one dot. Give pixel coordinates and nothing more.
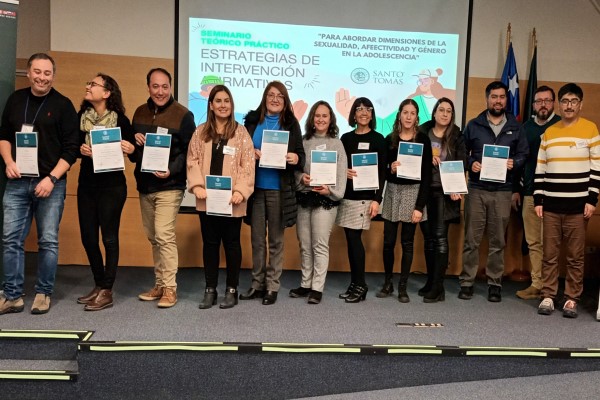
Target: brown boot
(169, 298)
(102, 301)
(153, 294)
(89, 297)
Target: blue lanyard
(36, 113)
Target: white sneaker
(546, 307)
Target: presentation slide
(320, 63)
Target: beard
(543, 113)
(496, 113)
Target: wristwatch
(53, 179)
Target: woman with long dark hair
(358, 207)
(221, 147)
(447, 144)
(404, 200)
(101, 196)
(273, 205)
(318, 204)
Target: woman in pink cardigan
(221, 148)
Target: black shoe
(210, 298)
(495, 294)
(231, 298)
(358, 294)
(270, 298)
(402, 295)
(437, 293)
(252, 294)
(299, 292)
(314, 297)
(386, 290)
(466, 293)
(348, 291)
(427, 288)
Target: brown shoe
(102, 301)
(153, 294)
(41, 304)
(88, 297)
(169, 298)
(531, 293)
(11, 306)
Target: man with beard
(488, 204)
(544, 117)
(36, 188)
(567, 181)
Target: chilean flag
(510, 78)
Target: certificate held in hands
(274, 149)
(156, 153)
(367, 173)
(410, 156)
(452, 174)
(27, 153)
(106, 150)
(493, 163)
(323, 168)
(218, 195)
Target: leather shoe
(466, 293)
(231, 298)
(495, 294)
(252, 294)
(270, 298)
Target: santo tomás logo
(360, 75)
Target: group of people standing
(269, 199)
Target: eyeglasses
(366, 109)
(539, 102)
(278, 97)
(573, 102)
(94, 84)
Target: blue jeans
(20, 206)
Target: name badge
(161, 130)
(321, 147)
(27, 128)
(228, 150)
(96, 127)
(581, 144)
(363, 146)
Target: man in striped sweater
(567, 181)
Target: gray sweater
(330, 144)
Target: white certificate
(452, 174)
(323, 168)
(156, 153)
(218, 195)
(493, 163)
(27, 153)
(410, 156)
(274, 149)
(367, 172)
(106, 150)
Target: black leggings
(100, 209)
(435, 229)
(356, 256)
(407, 238)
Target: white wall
(144, 28)
(33, 27)
(568, 33)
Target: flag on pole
(531, 86)
(510, 78)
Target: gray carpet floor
(477, 322)
(575, 386)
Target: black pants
(356, 256)
(216, 229)
(407, 239)
(100, 210)
(435, 229)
